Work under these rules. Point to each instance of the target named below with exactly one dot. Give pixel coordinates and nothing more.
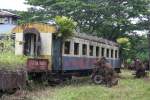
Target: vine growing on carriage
(66, 26)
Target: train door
(57, 53)
(31, 43)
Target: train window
(107, 52)
(116, 53)
(102, 52)
(91, 50)
(112, 53)
(76, 48)
(67, 47)
(84, 49)
(97, 51)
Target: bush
(8, 59)
(66, 25)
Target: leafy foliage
(106, 18)
(123, 40)
(110, 19)
(8, 60)
(67, 26)
(134, 47)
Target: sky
(14, 5)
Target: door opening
(32, 43)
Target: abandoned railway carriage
(48, 53)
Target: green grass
(128, 88)
(8, 60)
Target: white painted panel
(19, 44)
(46, 43)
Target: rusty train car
(51, 56)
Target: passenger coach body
(48, 53)
(82, 51)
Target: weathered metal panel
(41, 27)
(77, 63)
(57, 54)
(83, 63)
(12, 79)
(46, 48)
(46, 43)
(37, 65)
(19, 44)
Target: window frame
(91, 53)
(97, 52)
(116, 53)
(82, 52)
(77, 50)
(112, 53)
(107, 52)
(103, 51)
(69, 48)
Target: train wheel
(54, 82)
(11, 91)
(97, 79)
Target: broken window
(30, 45)
(102, 52)
(116, 53)
(67, 47)
(84, 49)
(97, 51)
(112, 53)
(107, 52)
(76, 48)
(91, 50)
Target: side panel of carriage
(69, 61)
(75, 58)
(35, 41)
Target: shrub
(8, 59)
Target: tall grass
(128, 88)
(8, 59)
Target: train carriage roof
(41, 27)
(96, 39)
(48, 28)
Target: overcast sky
(13, 4)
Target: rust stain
(12, 79)
(41, 27)
(49, 57)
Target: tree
(106, 18)
(133, 47)
(125, 47)
(110, 19)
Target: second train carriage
(48, 53)
(82, 51)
